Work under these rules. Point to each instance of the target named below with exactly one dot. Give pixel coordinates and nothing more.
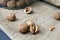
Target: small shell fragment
(51, 28)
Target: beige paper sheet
(42, 16)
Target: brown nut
(19, 3)
(11, 4)
(28, 10)
(23, 28)
(3, 2)
(34, 29)
(30, 23)
(27, 2)
(57, 16)
(11, 17)
(14, 0)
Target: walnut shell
(34, 29)
(57, 16)
(11, 4)
(23, 28)
(11, 17)
(28, 10)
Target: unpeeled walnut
(19, 3)
(14, 0)
(23, 28)
(27, 2)
(3, 2)
(57, 16)
(34, 29)
(11, 17)
(11, 4)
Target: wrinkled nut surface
(30, 23)
(51, 28)
(11, 4)
(34, 29)
(28, 10)
(23, 28)
(57, 16)
(11, 17)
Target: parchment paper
(42, 16)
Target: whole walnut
(11, 17)
(14, 0)
(27, 2)
(11, 4)
(19, 3)
(3, 2)
(57, 16)
(23, 28)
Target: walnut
(19, 3)
(11, 17)
(11, 4)
(57, 16)
(23, 28)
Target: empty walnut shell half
(23, 28)
(28, 10)
(11, 17)
(34, 29)
(57, 16)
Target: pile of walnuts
(14, 3)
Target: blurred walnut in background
(16, 3)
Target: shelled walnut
(34, 29)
